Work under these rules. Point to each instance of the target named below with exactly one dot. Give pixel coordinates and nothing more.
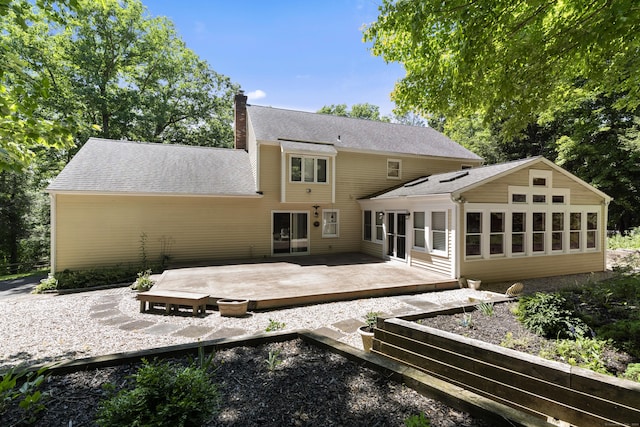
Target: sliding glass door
(290, 233)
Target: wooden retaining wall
(545, 389)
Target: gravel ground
(310, 387)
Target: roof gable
(460, 181)
(274, 124)
(109, 166)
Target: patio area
(283, 282)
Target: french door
(397, 235)
(290, 233)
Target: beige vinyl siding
(431, 262)
(371, 248)
(520, 268)
(497, 191)
(106, 230)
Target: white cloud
(256, 94)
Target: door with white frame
(290, 233)
(397, 235)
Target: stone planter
(474, 284)
(232, 307)
(367, 338)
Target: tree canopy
(509, 60)
(358, 111)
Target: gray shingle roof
(106, 166)
(273, 124)
(453, 182)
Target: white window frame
(481, 234)
(502, 233)
(367, 213)
(432, 230)
(327, 221)
(303, 169)
(510, 233)
(378, 225)
(422, 230)
(544, 174)
(389, 169)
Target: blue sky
(300, 54)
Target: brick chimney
(240, 121)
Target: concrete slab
(226, 333)
(192, 331)
(349, 325)
(103, 314)
(163, 329)
(328, 332)
(118, 320)
(104, 306)
(282, 282)
(136, 324)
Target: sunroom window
(473, 238)
(419, 240)
(439, 231)
(539, 227)
(592, 229)
(518, 230)
(496, 237)
(557, 230)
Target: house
(301, 183)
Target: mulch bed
(310, 387)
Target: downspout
(53, 223)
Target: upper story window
(540, 178)
(394, 169)
(308, 169)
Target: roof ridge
(158, 144)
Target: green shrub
(630, 240)
(143, 282)
(550, 316)
(419, 420)
(633, 372)
(48, 284)
(164, 395)
(584, 352)
(68, 279)
(624, 333)
(274, 325)
(486, 308)
(23, 388)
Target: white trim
(53, 259)
(337, 223)
(399, 161)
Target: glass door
(396, 235)
(290, 232)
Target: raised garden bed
(543, 388)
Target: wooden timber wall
(546, 389)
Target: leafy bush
(23, 388)
(68, 279)
(633, 372)
(48, 284)
(549, 315)
(164, 395)
(143, 282)
(584, 352)
(625, 333)
(419, 420)
(274, 325)
(630, 240)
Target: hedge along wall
(543, 388)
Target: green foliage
(467, 320)
(486, 308)
(143, 282)
(203, 361)
(582, 351)
(633, 372)
(510, 341)
(549, 315)
(273, 360)
(48, 284)
(510, 61)
(629, 240)
(371, 319)
(419, 420)
(68, 279)
(23, 388)
(274, 325)
(625, 333)
(164, 395)
(359, 111)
